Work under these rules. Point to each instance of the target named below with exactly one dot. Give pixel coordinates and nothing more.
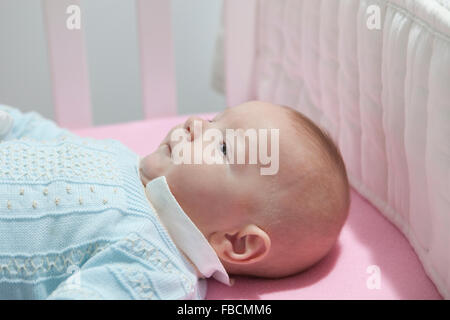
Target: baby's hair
(309, 219)
(324, 142)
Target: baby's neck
(198, 273)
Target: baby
(153, 227)
(263, 225)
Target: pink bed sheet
(367, 239)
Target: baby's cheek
(191, 183)
(181, 186)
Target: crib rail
(69, 69)
(240, 41)
(381, 92)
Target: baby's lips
(167, 139)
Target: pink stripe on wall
(240, 19)
(157, 58)
(67, 59)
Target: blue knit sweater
(75, 221)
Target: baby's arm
(113, 274)
(18, 125)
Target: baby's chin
(152, 166)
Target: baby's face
(218, 196)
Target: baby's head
(262, 225)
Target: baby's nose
(195, 126)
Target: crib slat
(240, 19)
(67, 59)
(157, 58)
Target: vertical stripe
(68, 69)
(157, 58)
(240, 19)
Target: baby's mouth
(165, 144)
(168, 148)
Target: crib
(382, 93)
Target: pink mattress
(367, 239)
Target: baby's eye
(223, 148)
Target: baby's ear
(244, 246)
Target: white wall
(112, 53)
(110, 30)
(196, 24)
(24, 68)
